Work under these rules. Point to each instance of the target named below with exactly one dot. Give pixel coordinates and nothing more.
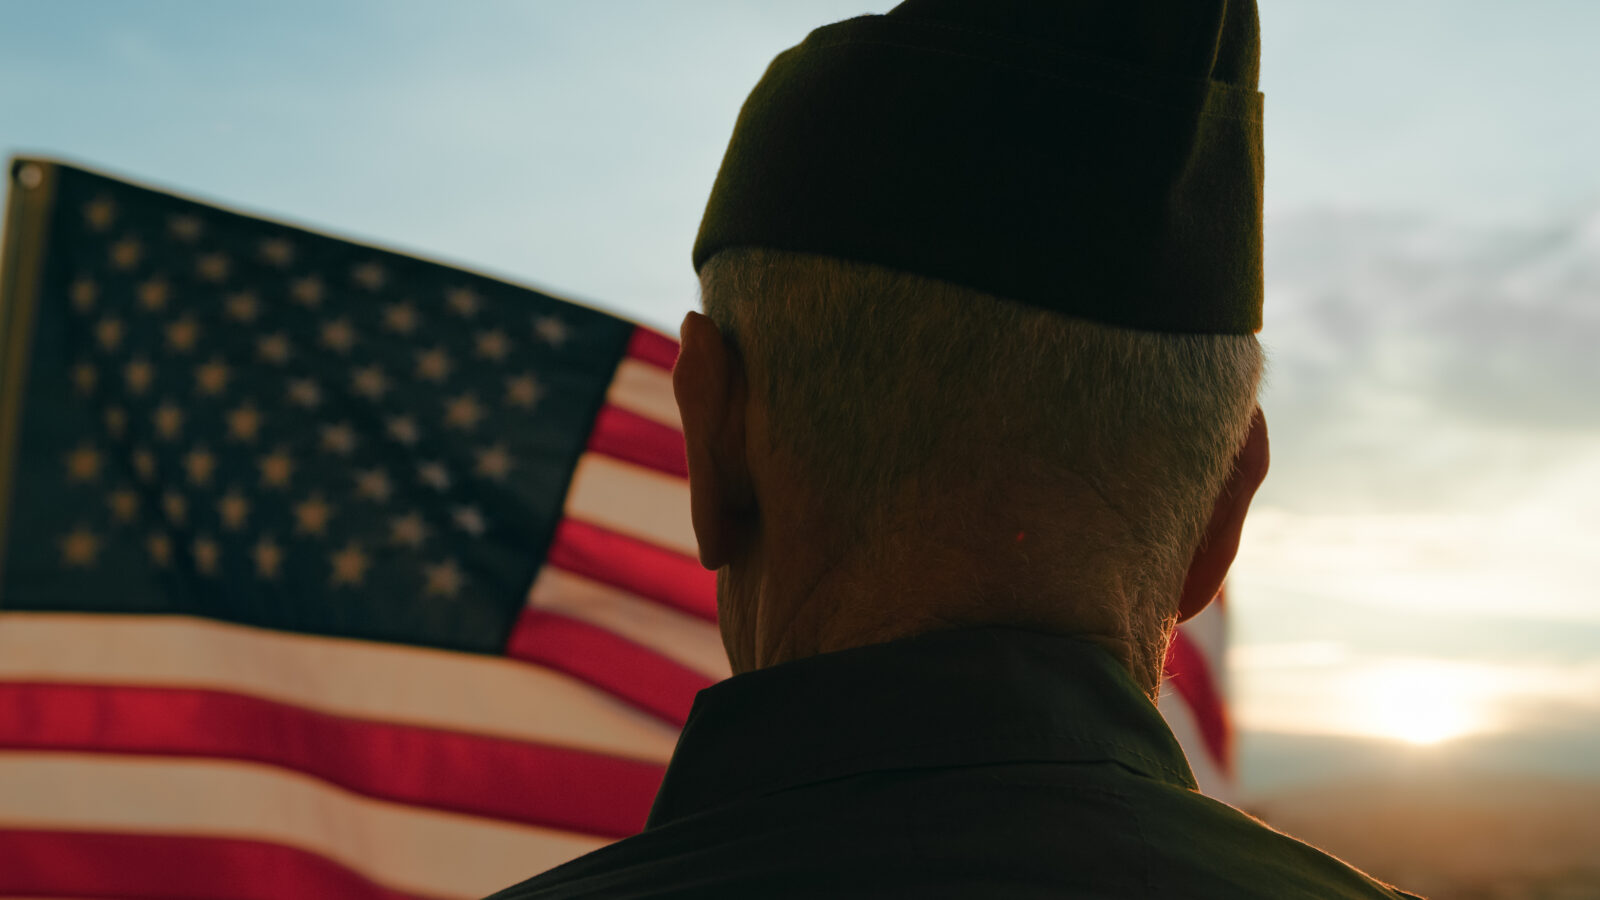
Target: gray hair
(878, 379)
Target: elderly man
(971, 424)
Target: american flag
(327, 571)
(1194, 699)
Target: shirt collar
(951, 698)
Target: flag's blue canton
(236, 419)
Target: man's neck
(774, 609)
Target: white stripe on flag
(402, 847)
(687, 639)
(1209, 631)
(633, 500)
(1213, 783)
(365, 679)
(645, 390)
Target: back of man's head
(923, 412)
(993, 263)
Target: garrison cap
(1098, 158)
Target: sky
(1415, 582)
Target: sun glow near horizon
(1418, 702)
(1319, 687)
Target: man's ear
(1220, 543)
(712, 391)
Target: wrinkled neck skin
(808, 588)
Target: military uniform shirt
(976, 763)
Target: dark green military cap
(1099, 158)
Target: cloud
(1533, 559)
(1419, 366)
(1493, 325)
(1435, 422)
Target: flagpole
(30, 194)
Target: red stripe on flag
(172, 867)
(635, 566)
(632, 438)
(519, 781)
(1186, 667)
(618, 666)
(656, 349)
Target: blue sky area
(1424, 547)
